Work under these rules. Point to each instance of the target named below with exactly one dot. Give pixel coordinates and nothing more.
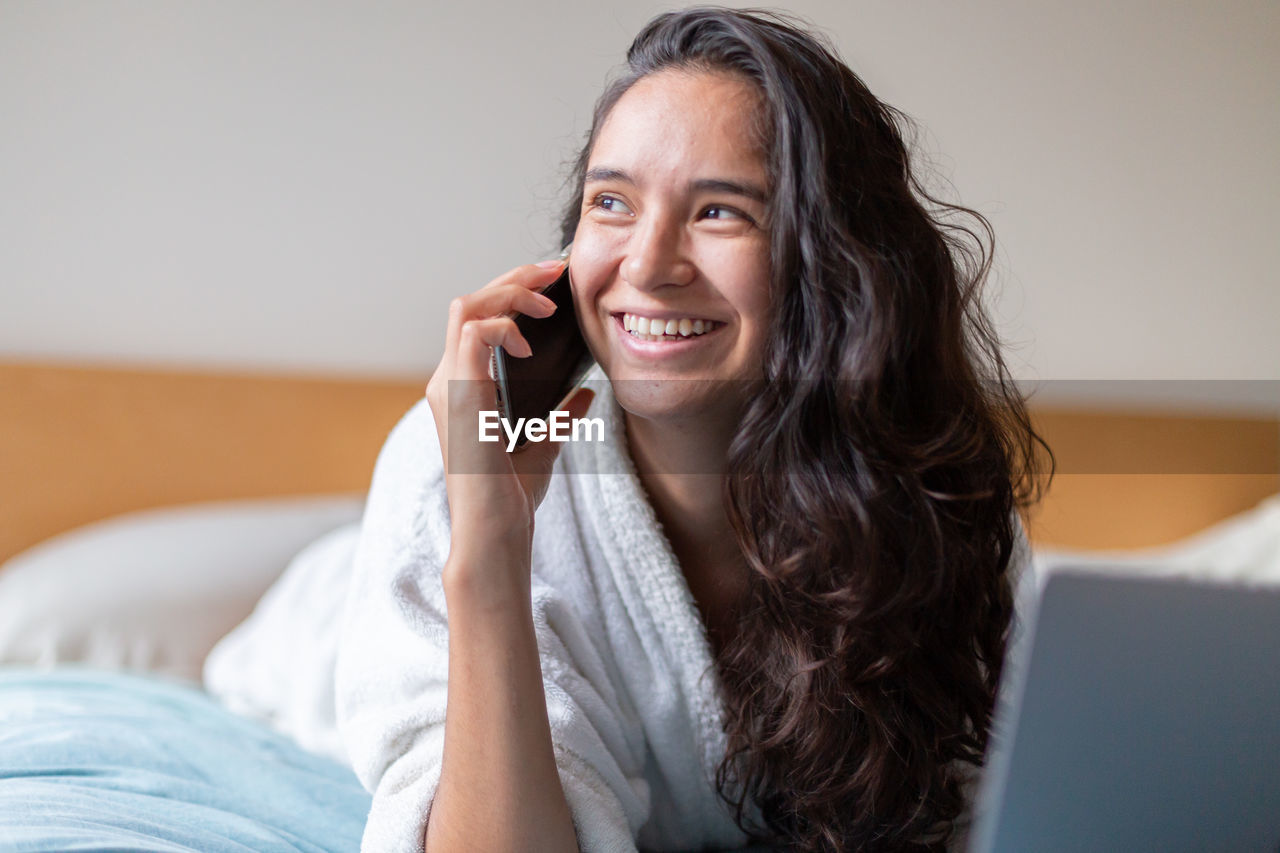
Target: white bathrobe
(631, 689)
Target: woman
(785, 620)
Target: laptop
(1145, 715)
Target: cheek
(591, 263)
(759, 300)
(749, 274)
(596, 245)
(585, 279)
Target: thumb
(535, 460)
(579, 403)
(545, 452)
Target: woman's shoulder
(408, 463)
(413, 443)
(407, 509)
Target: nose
(656, 256)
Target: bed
(146, 513)
(102, 760)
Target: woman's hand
(492, 493)
(499, 785)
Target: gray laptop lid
(1147, 717)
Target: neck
(670, 448)
(682, 465)
(682, 468)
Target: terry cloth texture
(632, 693)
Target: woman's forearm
(499, 786)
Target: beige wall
(303, 185)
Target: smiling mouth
(658, 329)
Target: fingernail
(550, 265)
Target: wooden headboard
(80, 444)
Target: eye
(725, 213)
(612, 204)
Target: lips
(652, 329)
(648, 347)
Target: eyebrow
(746, 190)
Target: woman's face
(673, 233)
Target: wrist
(498, 578)
(489, 534)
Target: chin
(678, 399)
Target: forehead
(679, 120)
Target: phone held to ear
(534, 387)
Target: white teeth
(657, 330)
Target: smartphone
(534, 387)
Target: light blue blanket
(105, 761)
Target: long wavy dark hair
(877, 475)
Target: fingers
(512, 292)
(466, 382)
(477, 336)
(532, 276)
(478, 321)
(504, 299)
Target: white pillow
(277, 666)
(154, 590)
(1243, 549)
